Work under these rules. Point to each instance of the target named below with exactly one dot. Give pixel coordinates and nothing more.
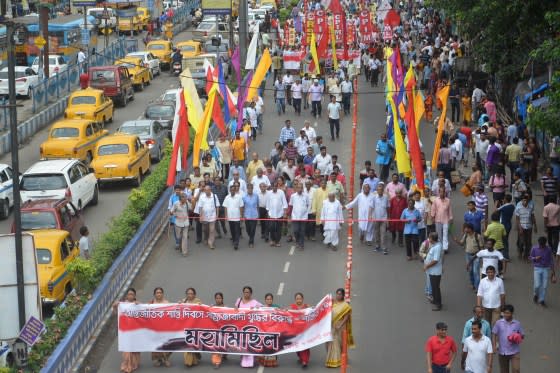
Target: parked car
(6, 190)
(60, 178)
(25, 79)
(162, 49)
(139, 74)
(57, 64)
(206, 30)
(115, 81)
(72, 138)
(149, 60)
(163, 112)
(121, 157)
(55, 251)
(189, 48)
(90, 103)
(51, 214)
(170, 95)
(102, 14)
(151, 134)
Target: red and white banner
(338, 20)
(201, 328)
(352, 53)
(365, 27)
(292, 59)
(387, 33)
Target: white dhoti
(331, 217)
(364, 203)
(331, 236)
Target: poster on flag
(352, 53)
(200, 328)
(387, 33)
(350, 32)
(309, 26)
(338, 27)
(291, 37)
(365, 27)
(320, 26)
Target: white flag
(252, 53)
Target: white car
(6, 190)
(57, 64)
(25, 79)
(61, 178)
(149, 60)
(170, 95)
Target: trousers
(435, 281)
(251, 228)
(299, 232)
(442, 230)
(506, 360)
(235, 229)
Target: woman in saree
(341, 321)
(130, 360)
(191, 358)
(303, 356)
(269, 361)
(466, 106)
(247, 302)
(218, 302)
(160, 358)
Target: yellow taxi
(72, 138)
(128, 24)
(55, 251)
(121, 157)
(162, 49)
(90, 103)
(139, 73)
(144, 16)
(190, 48)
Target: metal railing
(62, 84)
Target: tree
(548, 52)
(502, 32)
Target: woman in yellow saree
(191, 358)
(341, 320)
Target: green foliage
(549, 50)
(284, 14)
(294, 3)
(89, 273)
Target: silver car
(151, 134)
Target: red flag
(218, 117)
(335, 7)
(321, 33)
(181, 141)
(413, 141)
(209, 79)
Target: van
(114, 81)
(102, 15)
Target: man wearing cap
(441, 350)
(315, 95)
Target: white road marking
(286, 267)
(280, 289)
(292, 250)
(261, 369)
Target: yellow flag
(418, 109)
(403, 159)
(442, 94)
(192, 101)
(200, 140)
(333, 46)
(313, 49)
(258, 76)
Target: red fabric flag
(321, 33)
(218, 117)
(413, 140)
(182, 141)
(365, 27)
(209, 79)
(335, 7)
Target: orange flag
(442, 94)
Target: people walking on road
(543, 269)
(551, 216)
(477, 351)
(394, 186)
(300, 205)
(331, 218)
(315, 96)
(526, 224)
(251, 213)
(276, 207)
(280, 97)
(247, 302)
(412, 217)
(180, 211)
(380, 213)
(287, 133)
(491, 295)
(474, 217)
(364, 202)
(478, 314)
(218, 302)
(160, 358)
(221, 191)
(269, 361)
(433, 266)
(383, 159)
(341, 321)
(334, 111)
(443, 217)
(397, 204)
(130, 361)
(304, 355)
(441, 350)
(207, 208)
(473, 243)
(233, 204)
(507, 335)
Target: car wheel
(112, 115)
(95, 198)
(138, 180)
(5, 209)
(89, 156)
(67, 289)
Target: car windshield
(170, 96)
(52, 61)
(103, 76)
(160, 111)
(83, 100)
(43, 182)
(112, 149)
(187, 48)
(127, 65)
(44, 256)
(37, 220)
(135, 130)
(65, 132)
(156, 47)
(205, 26)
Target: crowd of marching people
(341, 320)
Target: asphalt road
(112, 198)
(392, 319)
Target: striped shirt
(481, 202)
(550, 184)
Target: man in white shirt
(82, 61)
(300, 204)
(331, 218)
(477, 351)
(380, 212)
(207, 208)
(242, 183)
(364, 202)
(322, 161)
(276, 207)
(263, 213)
(233, 204)
(334, 110)
(309, 132)
(310, 190)
(259, 106)
(346, 89)
(297, 95)
(305, 85)
(259, 179)
(288, 80)
(491, 295)
(302, 143)
(315, 95)
(252, 115)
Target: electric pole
(243, 10)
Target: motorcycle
(176, 68)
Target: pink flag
(236, 65)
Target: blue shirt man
(435, 254)
(486, 329)
(383, 151)
(412, 218)
(250, 205)
(474, 217)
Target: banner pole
(348, 282)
